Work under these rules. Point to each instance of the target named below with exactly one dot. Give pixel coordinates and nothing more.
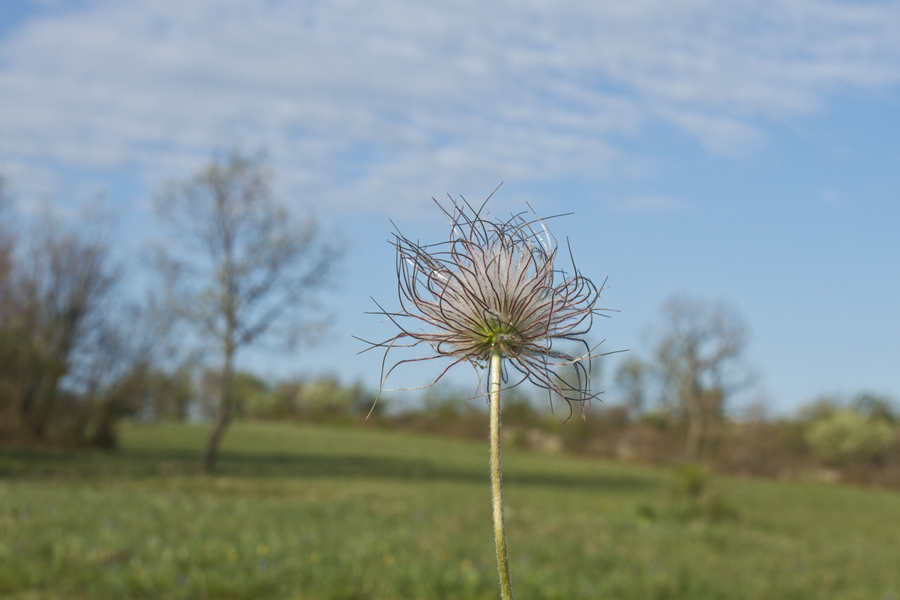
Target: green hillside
(321, 513)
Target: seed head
(493, 287)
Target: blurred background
(737, 161)
(745, 153)
(197, 204)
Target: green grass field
(321, 513)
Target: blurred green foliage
(846, 436)
(322, 399)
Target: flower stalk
(497, 476)
(493, 292)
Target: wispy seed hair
(493, 287)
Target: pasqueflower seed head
(493, 287)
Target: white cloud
(28, 187)
(362, 102)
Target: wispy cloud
(648, 203)
(362, 102)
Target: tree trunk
(694, 435)
(695, 426)
(223, 414)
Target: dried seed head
(493, 287)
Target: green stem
(496, 478)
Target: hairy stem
(496, 478)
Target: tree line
(234, 269)
(676, 403)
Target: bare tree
(55, 292)
(236, 265)
(699, 355)
(631, 380)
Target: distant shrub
(657, 419)
(693, 497)
(765, 448)
(448, 404)
(845, 436)
(518, 407)
(873, 406)
(820, 409)
(266, 404)
(325, 399)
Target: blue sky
(746, 151)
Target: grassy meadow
(327, 513)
